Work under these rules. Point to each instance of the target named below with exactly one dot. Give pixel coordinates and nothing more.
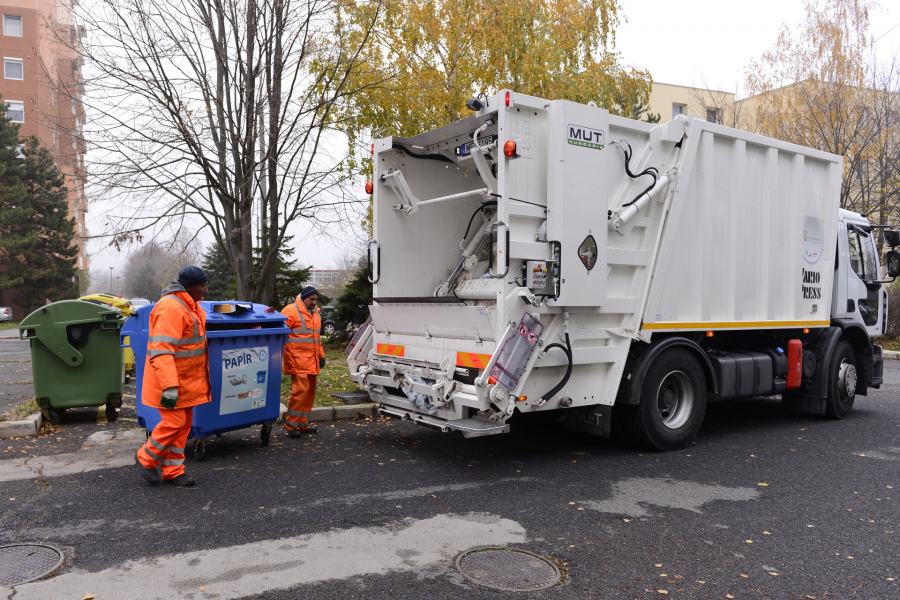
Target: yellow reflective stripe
(152, 353)
(737, 325)
(187, 353)
(301, 340)
(163, 339)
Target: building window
(677, 109)
(713, 116)
(12, 25)
(15, 111)
(13, 69)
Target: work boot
(294, 433)
(311, 429)
(150, 475)
(183, 480)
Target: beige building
(669, 101)
(42, 86)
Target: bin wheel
(111, 413)
(147, 434)
(265, 433)
(50, 415)
(200, 450)
(218, 435)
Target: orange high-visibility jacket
(304, 345)
(176, 353)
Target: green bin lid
(48, 324)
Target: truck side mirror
(892, 237)
(892, 259)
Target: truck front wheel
(842, 376)
(672, 403)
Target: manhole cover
(21, 563)
(508, 570)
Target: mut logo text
(585, 136)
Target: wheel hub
(675, 400)
(847, 379)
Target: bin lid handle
(54, 338)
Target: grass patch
(9, 325)
(888, 343)
(22, 410)
(335, 377)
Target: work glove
(322, 362)
(169, 398)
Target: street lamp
(117, 285)
(110, 280)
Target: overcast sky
(688, 42)
(706, 44)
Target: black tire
(265, 434)
(200, 450)
(111, 414)
(839, 403)
(672, 403)
(51, 415)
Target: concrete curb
(27, 427)
(890, 354)
(334, 413)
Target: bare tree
(727, 111)
(221, 112)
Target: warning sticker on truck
(585, 136)
(244, 377)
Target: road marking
(630, 496)
(424, 547)
(417, 492)
(894, 454)
(97, 453)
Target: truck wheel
(842, 376)
(672, 403)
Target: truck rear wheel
(842, 376)
(672, 403)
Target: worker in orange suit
(303, 358)
(176, 375)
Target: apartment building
(42, 86)
(669, 101)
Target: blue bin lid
(233, 311)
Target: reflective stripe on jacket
(176, 350)
(304, 344)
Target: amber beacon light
(509, 149)
(369, 187)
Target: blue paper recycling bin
(245, 343)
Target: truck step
(354, 397)
(471, 427)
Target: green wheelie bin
(76, 357)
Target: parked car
(139, 302)
(5, 313)
(330, 325)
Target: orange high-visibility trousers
(166, 444)
(303, 393)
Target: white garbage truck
(547, 259)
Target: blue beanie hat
(308, 291)
(191, 276)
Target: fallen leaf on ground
(662, 591)
(766, 533)
(626, 520)
(773, 573)
(203, 589)
(749, 541)
(658, 565)
(763, 484)
(89, 597)
(729, 596)
(745, 576)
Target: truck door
(864, 285)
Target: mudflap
(595, 419)
(803, 404)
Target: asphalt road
(15, 370)
(766, 504)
